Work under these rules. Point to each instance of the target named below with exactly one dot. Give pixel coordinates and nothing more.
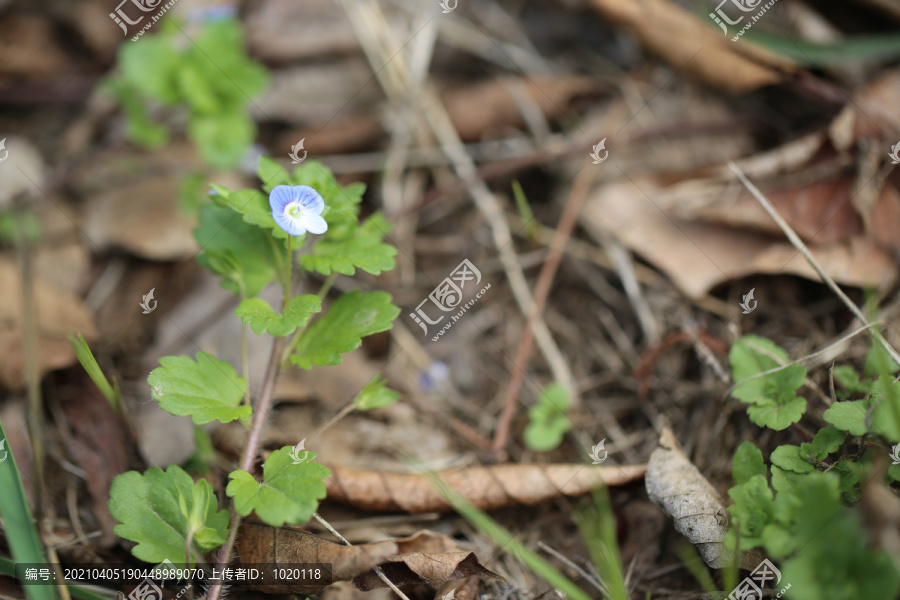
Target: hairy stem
(251, 449)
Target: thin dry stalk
(567, 222)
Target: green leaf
(157, 510)
(341, 203)
(548, 419)
(272, 174)
(848, 378)
(263, 319)
(207, 390)
(289, 493)
(788, 458)
(376, 394)
(886, 415)
(193, 87)
(849, 416)
(222, 137)
(140, 128)
(777, 417)
(84, 355)
(753, 509)
(827, 440)
(747, 463)
(878, 361)
(254, 208)
(150, 68)
(834, 560)
(352, 317)
(784, 480)
(347, 248)
(246, 256)
(776, 403)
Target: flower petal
(291, 225)
(280, 196)
(314, 223)
(310, 199)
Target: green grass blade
(86, 358)
(598, 528)
(492, 529)
(531, 225)
(871, 48)
(21, 534)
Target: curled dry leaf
(696, 48)
(698, 256)
(258, 543)
(872, 114)
(435, 569)
(677, 486)
(426, 556)
(485, 487)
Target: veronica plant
(252, 240)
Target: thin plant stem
(251, 449)
(290, 272)
(245, 361)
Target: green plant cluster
(209, 74)
(800, 509)
(165, 512)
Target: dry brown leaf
(29, 48)
(495, 104)
(696, 48)
(57, 314)
(698, 256)
(468, 589)
(872, 114)
(676, 485)
(434, 569)
(261, 544)
(271, 30)
(143, 218)
(684, 493)
(486, 487)
(474, 110)
(97, 445)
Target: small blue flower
(297, 209)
